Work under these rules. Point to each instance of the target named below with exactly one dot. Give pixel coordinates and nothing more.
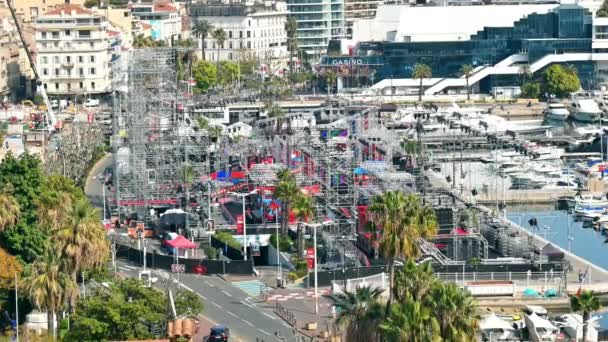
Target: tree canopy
(205, 74)
(127, 311)
(560, 80)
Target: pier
(597, 278)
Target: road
(93, 185)
(228, 305)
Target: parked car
(91, 103)
(219, 333)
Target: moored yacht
(585, 110)
(556, 111)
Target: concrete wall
(272, 259)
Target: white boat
(585, 110)
(540, 329)
(572, 325)
(494, 328)
(556, 111)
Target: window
(56, 44)
(92, 45)
(45, 72)
(125, 13)
(248, 34)
(43, 34)
(80, 59)
(56, 72)
(45, 59)
(55, 35)
(45, 86)
(68, 45)
(44, 45)
(240, 34)
(84, 33)
(68, 33)
(81, 85)
(68, 59)
(92, 59)
(230, 45)
(229, 34)
(33, 12)
(68, 72)
(69, 86)
(92, 85)
(56, 86)
(249, 45)
(92, 71)
(81, 71)
(56, 59)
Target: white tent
(493, 322)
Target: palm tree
(456, 312)
(80, 239)
(411, 149)
(9, 211)
(220, 37)
(586, 302)
(403, 220)
(291, 28)
(285, 175)
(360, 312)
(273, 110)
(421, 71)
(303, 209)
(413, 282)
(201, 29)
(525, 72)
(49, 287)
(410, 321)
(286, 192)
(466, 70)
(331, 77)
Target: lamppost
(314, 239)
(244, 218)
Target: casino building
(501, 42)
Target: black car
(219, 333)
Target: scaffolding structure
(158, 150)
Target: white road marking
(264, 331)
(248, 301)
(232, 313)
(186, 287)
(226, 293)
(269, 316)
(131, 267)
(246, 304)
(247, 322)
(208, 283)
(216, 304)
(286, 325)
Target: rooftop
(68, 10)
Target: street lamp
(244, 218)
(314, 239)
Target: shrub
(228, 239)
(210, 252)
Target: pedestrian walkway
(253, 288)
(284, 296)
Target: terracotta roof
(164, 7)
(145, 26)
(68, 9)
(113, 33)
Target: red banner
(310, 253)
(310, 263)
(239, 224)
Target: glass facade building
(566, 29)
(319, 21)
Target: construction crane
(51, 120)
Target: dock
(531, 196)
(597, 279)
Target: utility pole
(113, 249)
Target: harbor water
(562, 229)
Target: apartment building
(358, 9)
(319, 21)
(29, 10)
(164, 18)
(253, 29)
(73, 51)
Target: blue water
(554, 226)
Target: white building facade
(319, 21)
(252, 30)
(73, 55)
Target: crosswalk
(253, 288)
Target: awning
(493, 322)
(181, 242)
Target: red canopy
(181, 242)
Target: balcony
(67, 65)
